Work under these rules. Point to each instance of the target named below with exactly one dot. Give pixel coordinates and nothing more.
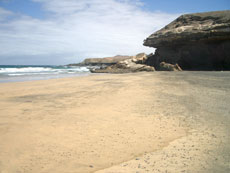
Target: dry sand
(142, 122)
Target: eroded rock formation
(134, 64)
(199, 41)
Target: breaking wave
(40, 70)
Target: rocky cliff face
(199, 41)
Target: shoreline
(173, 121)
(17, 79)
(13, 79)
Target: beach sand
(117, 123)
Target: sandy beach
(117, 123)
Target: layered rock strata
(199, 41)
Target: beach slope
(142, 122)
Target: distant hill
(102, 61)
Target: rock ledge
(199, 41)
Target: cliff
(199, 41)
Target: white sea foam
(17, 74)
(26, 73)
(26, 69)
(14, 71)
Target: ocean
(16, 73)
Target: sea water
(14, 73)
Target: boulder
(169, 67)
(199, 41)
(140, 58)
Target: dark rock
(199, 41)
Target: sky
(59, 32)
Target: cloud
(76, 29)
(4, 14)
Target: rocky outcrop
(140, 58)
(102, 61)
(134, 64)
(169, 67)
(199, 41)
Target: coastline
(13, 79)
(19, 73)
(117, 123)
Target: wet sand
(142, 122)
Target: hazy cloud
(76, 29)
(4, 14)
